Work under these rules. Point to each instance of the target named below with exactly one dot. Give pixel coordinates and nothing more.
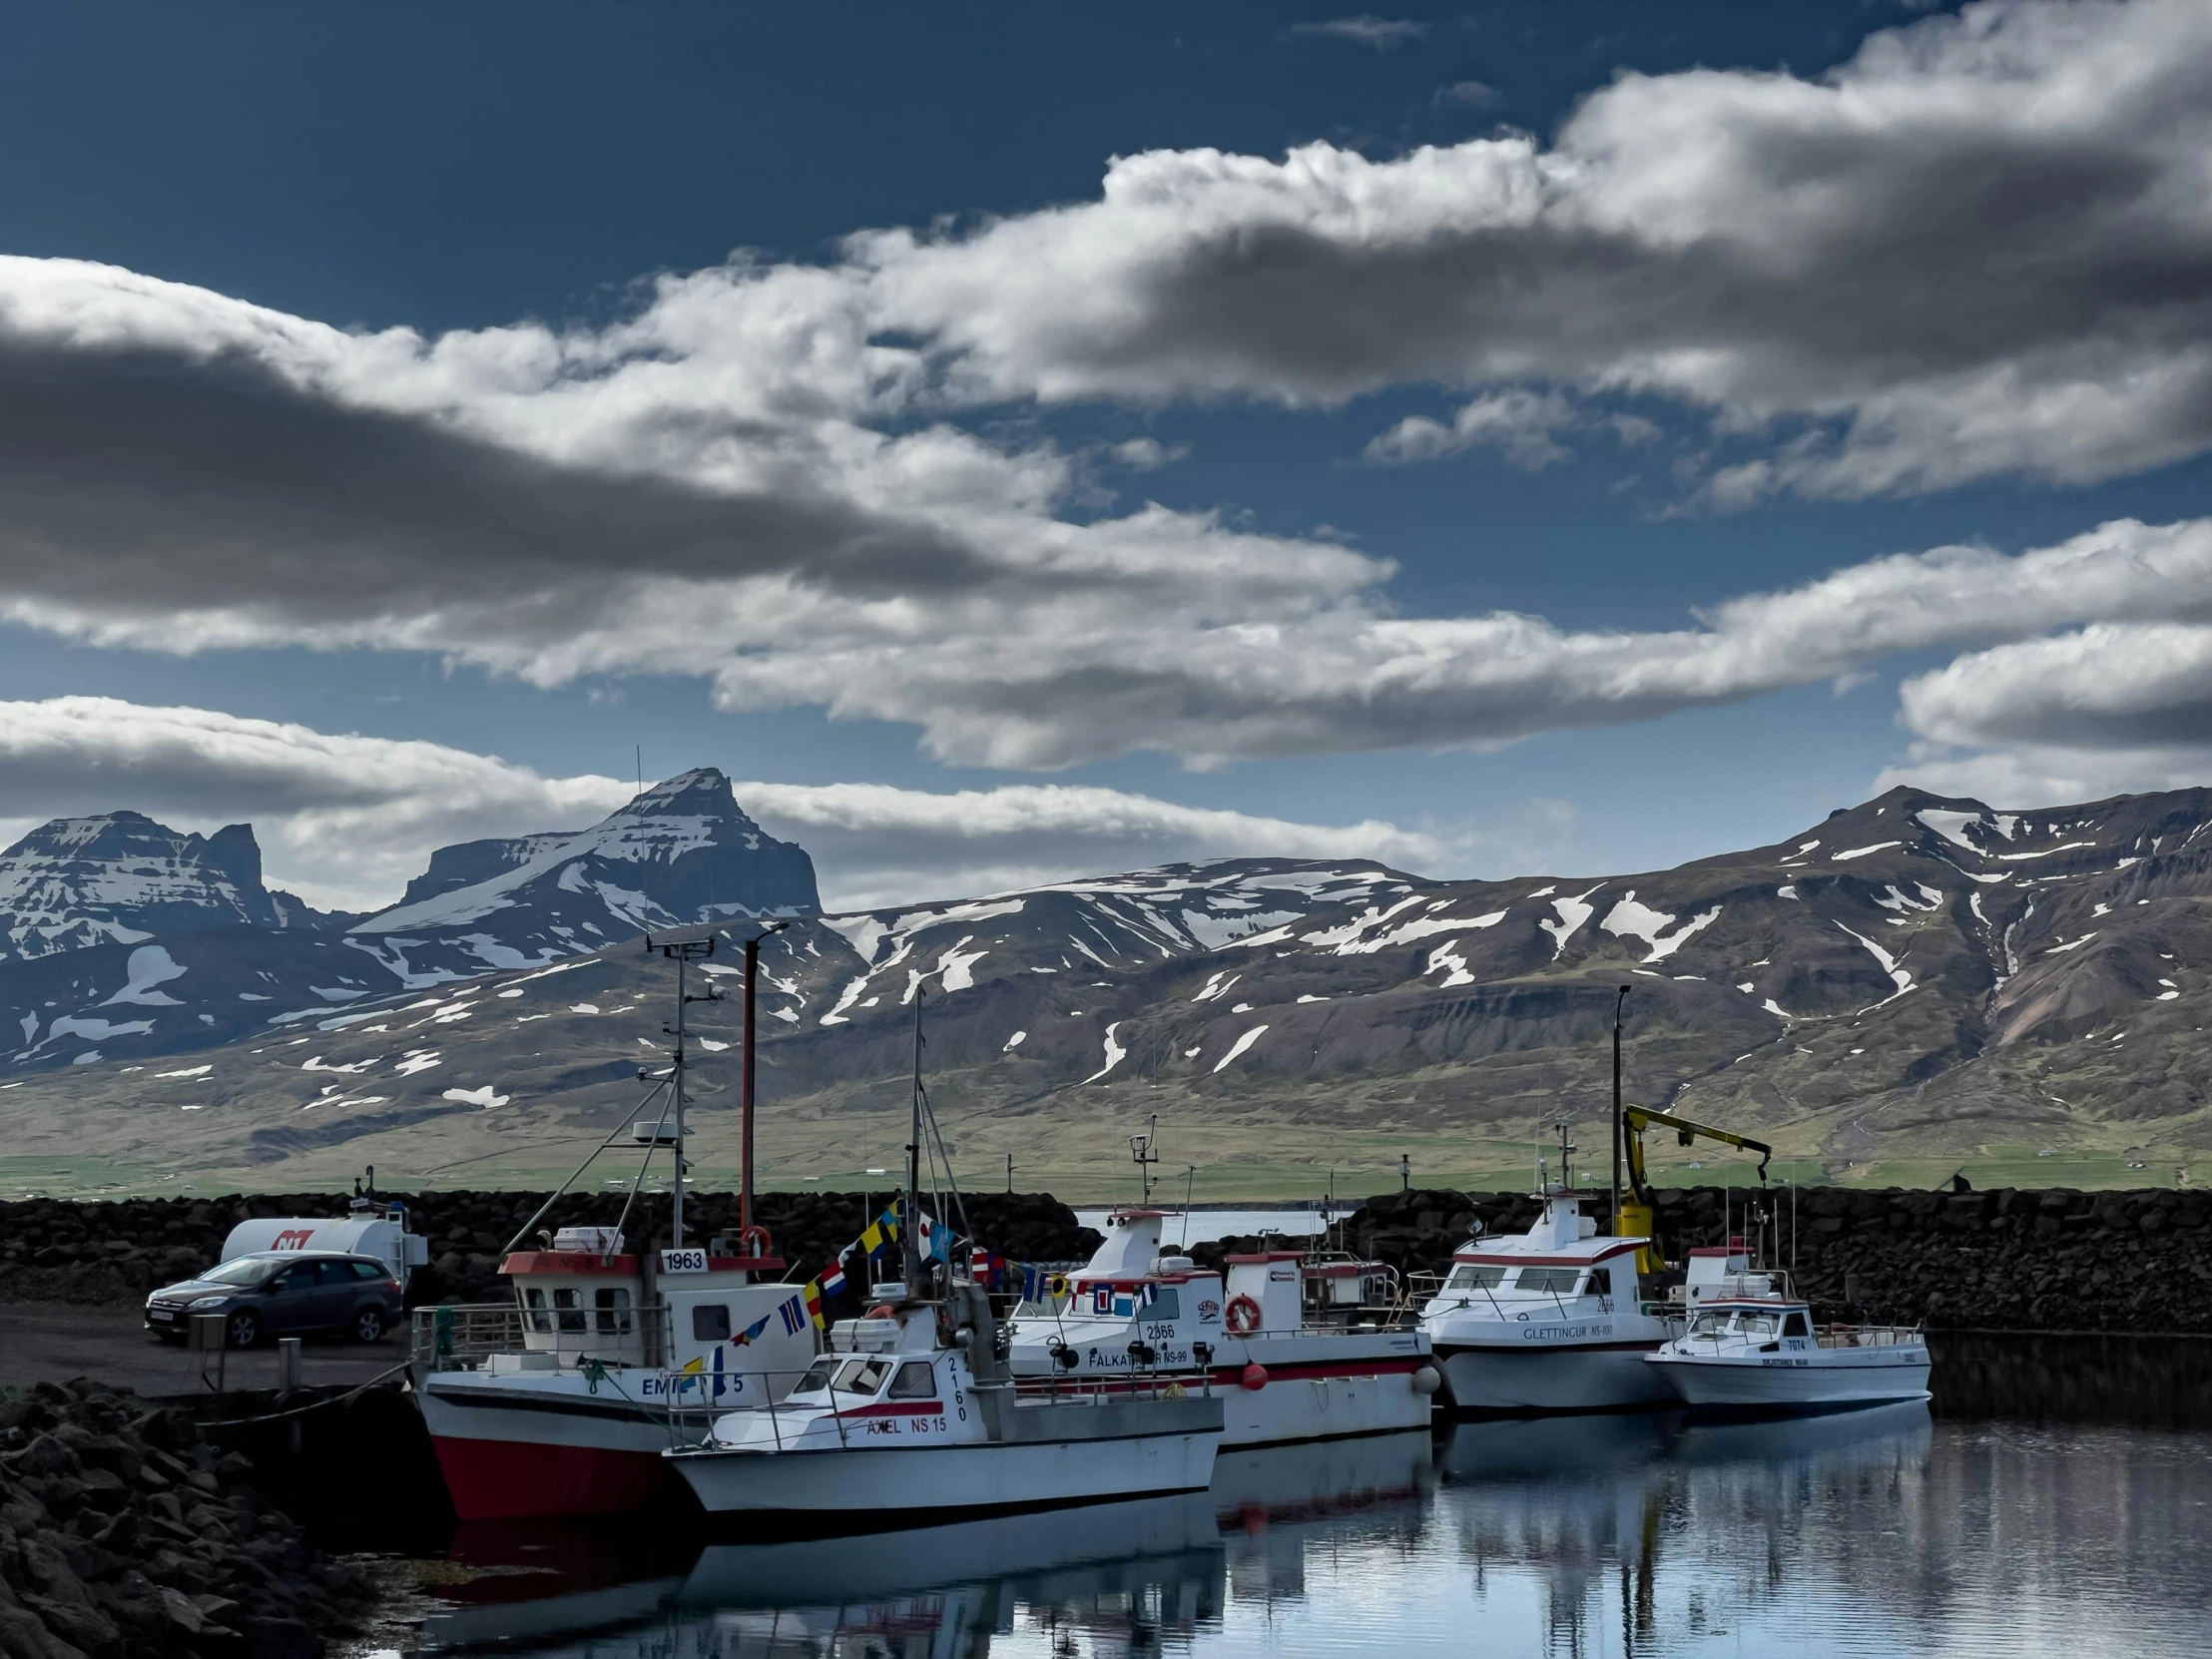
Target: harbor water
(1873, 1532)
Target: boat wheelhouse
(1271, 1321)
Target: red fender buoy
(1255, 1377)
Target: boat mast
(744, 1134)
(910, 1229)
(682, 947)
(1619, 1003)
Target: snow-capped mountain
(682, 852)
(1915, 973)
(123, 878)
(121, 938)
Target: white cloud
(345, 820)
(877, 844)
(1520, 422)
(1377, 33)
(1981, 247)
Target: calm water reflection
(1879, 1532)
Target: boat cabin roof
(1526, 1252)
(572, 1261)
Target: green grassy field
(1208, 1162)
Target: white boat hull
(1321, 1403)
(1552, 1379)
(848, 1489)
(1831, 1379)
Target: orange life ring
(1243, 1316)
(756, 1231)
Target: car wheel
(368, 1325)
(244, 1328)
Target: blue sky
(1603, 314)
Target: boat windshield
(1708, 1324)
(1757, 1324)
(1468, 1277)
(863, 1376)
(817, 1381)
(1555, 1280)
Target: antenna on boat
(1566, 1155)
(1144, 1152)
(683, 946)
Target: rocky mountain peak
(121, 878)
(681, 851)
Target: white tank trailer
(379, 1233)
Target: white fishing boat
(561, 1405)
(1751, 1346)
(561, 1402)
(1555, 1320)
(905, 1417)
(914, 1412)
(1302, 1345)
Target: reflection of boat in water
(1549, 1449)
(1833, 1440)
(928, 1589)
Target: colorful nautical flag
(793, 1314)
(750, 1333)
(985, 1267)
(812, 1293)
(833, 1281)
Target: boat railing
(1869, 1336)
(467, 1336)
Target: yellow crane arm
(1636, 1215)
(1636, 1119)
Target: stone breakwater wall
(2007, 1259)
(123, 1532)
(60, 1249)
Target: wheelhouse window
(817, 1381)
(863, 1376)
(1795, 1324)
(1600, 1282)
(1467, 1276)
(916, 1380)
(1166, 1303)
(568, 1309)
(1552, 1280)
(710, 1322)
(613, 1309)
(1757, 1324)
(534, 1314)
(1708, 1324)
